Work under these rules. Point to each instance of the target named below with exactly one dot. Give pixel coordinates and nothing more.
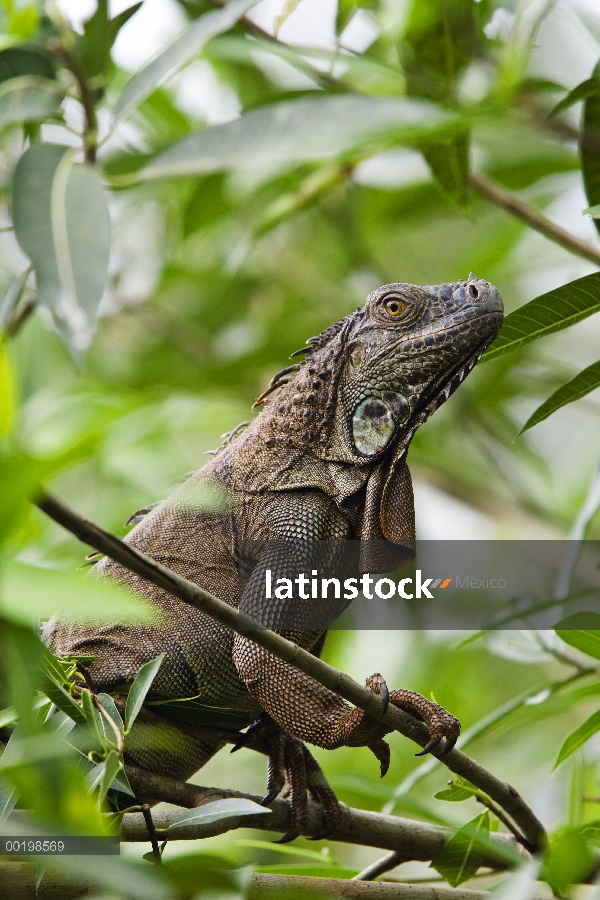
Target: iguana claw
(450, 742)
(291, 761)
(287, 838)
(429, 746)
(268, 798)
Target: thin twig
(323, 79)
(152, 832)
(535, 219)
(485, 801)
(20, 316)
(338, 682)
(385, 864)
(86, 98)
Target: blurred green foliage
(230, 244)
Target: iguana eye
(395, 307)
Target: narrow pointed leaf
(121, 19)
(12, 295)
(588, 88)
(581, 631)
(29, 99)
(547, 314)
(449, 163)
(112, 766)
(8, 801)
(184, 48)
(589, 143)
(109, 705)
(61, 221)
(593, 211)
(63, 700)
(139, 689)
(121, 783)
(7, 388)
(464, 852)
(312, 128)
(18, 61)
(8, 716)
(219, 809)
(573, 390)
(454, 794)
(578, 737)
(92, 717)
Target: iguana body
(325, 460)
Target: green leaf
(184, 48)
(547, 314)
(578, 738)
(581, 631)
(449, 163)
(61, 221)
(8, 716)
(590, 142)
(121, 783)
(308, 871)
(118, 21)
(11, 297)
(109, 705)
(315, 856)
(588, 88)
(215, 874)
(463, 853)
(96, 41)
(288, 9)
(8, 801)
(197, 713)
(92, 717)
(219, 809)
(593, 211)
(7, 389)
(112, 766)
(139, 689)
(567, 859)
(29, 592)
(63, 700)
(29, 99)
(17, 61)
(586, 381)
(275, 137)
(455, 793)
(99, 34)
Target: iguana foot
(440, 723)
(289, 760)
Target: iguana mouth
(454, 378)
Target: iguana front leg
(298, 703)
(313, 713)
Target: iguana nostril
(473, 292)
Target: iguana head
(371, 379)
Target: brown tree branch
(502, 793)
(535, 219)
(18, 879)
(407, 839)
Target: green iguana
(325, 460)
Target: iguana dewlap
(325, 460)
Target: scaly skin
(325, 460)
